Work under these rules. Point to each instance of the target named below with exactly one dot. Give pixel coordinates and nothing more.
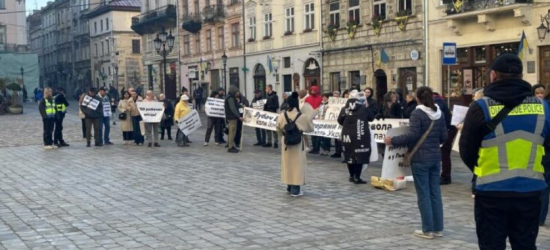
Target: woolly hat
(293, 101)
(184, 98)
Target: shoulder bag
(408, 156)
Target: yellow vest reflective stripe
(514, 154)
(61, 108)
(50, 110)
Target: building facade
(64, 45)
(82, 66)
(376, 44)
(49, 42)
(283, 45)
(116, 48)
(34, 24)
(13, 26)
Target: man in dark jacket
(271, 105)
(411, 106)
(256, 103)
(61, 105)
(92, 107)
(197, 94)
(505, 156)
(105, 122)
(168, 118)
(232, 115)
(447, 147)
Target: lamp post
(543, 29)
(22, 76)
(224, 60)
(163, 41)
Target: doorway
(259, 78)
(407, 79)
(171, 90)
(287, 81)
(381, 85)
(214, 79)
(544, 65)
(312, 73)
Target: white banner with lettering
(190, 123)
(324, 128)
(392, 166)
(215, 107)
(259, 104)
(381, 127)
(260, 119)
(334, 106)
(151, 112)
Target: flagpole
(426, 50)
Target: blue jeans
(316, 143)
(428, 193)
(260, 136)
(104, 124)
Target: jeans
(48, 130)
(152, 132)
(260, 135)
(272, 135)
(96, 124)
(316, 143)
(58, 132)
(213, 124)
(138, 138)
(232, 132)
(428, 193)
(325, 143)
(104, 130)
(446, 153)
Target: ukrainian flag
(523, 46)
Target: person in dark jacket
(411, 106)
(539, 91)
(373, 105)
(197, 94)
(390, 108)
(232, 115)
(401, 99)
(545, 195)
(425, 163)
(507, 201)
(272, 105)
(47, 111)
(447, 147)
(355, 116)
(168, 118)
(92, 107)
(257, 103)
(61, 105)
(284, 105)
(213, 124)
(243, 102)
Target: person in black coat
(356, 143)
(61, 105)
(243, 102)
(272, 105)
(167, 120)
(391, 107)
(410, 107)
(447, 147)
(373, 105)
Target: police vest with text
(60, 107)
(510, 157)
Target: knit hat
(508, 63)
(293, 101)
(184, 98)
(354, 94)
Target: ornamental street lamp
(543, 29)
(224, 60)
(164, 43)
(22, 74)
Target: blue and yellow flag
(269, 64)
(523, 46)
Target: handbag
(122, 116)
(408, 156)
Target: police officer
(47, 111)
(502, 143)
(61, 105)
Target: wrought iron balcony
(457, 7)
(192, 22)
(213, 13)
(154, 20)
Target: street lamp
(22, 74)
(162, 41)
(543, 29)
(224, 60)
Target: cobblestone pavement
(128, 197)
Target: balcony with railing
(214, 13)
(454, 7)
(154, 20)
(192, 22)
(12, 47)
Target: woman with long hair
(391, 107)
(126, 125)
(47, 111)
(426, 162)
(372, 105)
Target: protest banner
(392, 166)
(334, 106)
(90, 102)
(260, 119)
(459, 113)
(215, 107)
(190, 123)
(259, 104)
(455, 142)
(324, 128)
(381, 127)
(106, 109)
(151, 112)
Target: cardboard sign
(392, 166)
(259, 104)
(334, 106)
(190, 123)
(151, 112)
(215, 107)
(459, 113)
(324, 128)
(106, 109)
(381, 127)
(260, 119)
(90, 102)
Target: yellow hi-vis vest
(510, 158)
(50, 110)
(60, 107)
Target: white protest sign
(89, 102)
(260, 119)
(456, 141)
(324, 128)
(106, 109)
(190, 123)
(459, 113)
(259, 104)
(334, 106)
(215, 107)
(392, 166)
(380, 127)
(151, 112)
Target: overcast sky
(32, 4)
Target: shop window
(462, 55)
(286, 62)
(234, 77)
(335, 81)
(480, 55)
(506, 48)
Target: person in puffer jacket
(426, 162)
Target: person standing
(181, 110)
(92, 107)
(213, 124)
(126, 124)
(167, 119)
(151, 128)
(232, 115)
(81, 115)
(338, 142)
(136, 117)
(427, 130)
(391, 108)
(447, 147)
(509, 182)
(315, 100)
(61, 105)
(105, 123)
(260, 133)
(243, 102)
(220, 134)
(294, 157)
(373, 105)
(197, 94)
(47, 111)
(271, 105)
(322, 143)
(411, 105)
(354, 119)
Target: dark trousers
(138, 137)
(446, 154)
(498, 218)
(48, 130)
(338, 146)
(239, 133)
(355, 170)
(545, 199)
(213, 124)
(168, 129)
(83, 128)
(316, 142)
(95, 123)
(260, 135)
(220, 122)
(325, 143)
(198, 104)
(58, 132)
(128, 136)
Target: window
(405, 6)
(355, 78)
(148, 43)
(252, 26)
(235, 35)
(198, 43)
(221, 39)
(354, 12)
(335, 81)
(289, 20)
(108, 48)
(334, 13)
(107, 24)
(309, 14)
(96, 50)
(136, 46)
(286, 62)
(209, 40)
(380, 9)
(234, 77)
(186, 45)
(268, 25)
(185, 8)
(101, 25)
(95, 27)
(2, 4)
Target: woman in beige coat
(293, 158)
(126, 125)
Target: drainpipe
(179, 50)
(321, 45)
(244, 46)
(426, 39)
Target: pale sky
(32, 4)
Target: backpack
(293, 135)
